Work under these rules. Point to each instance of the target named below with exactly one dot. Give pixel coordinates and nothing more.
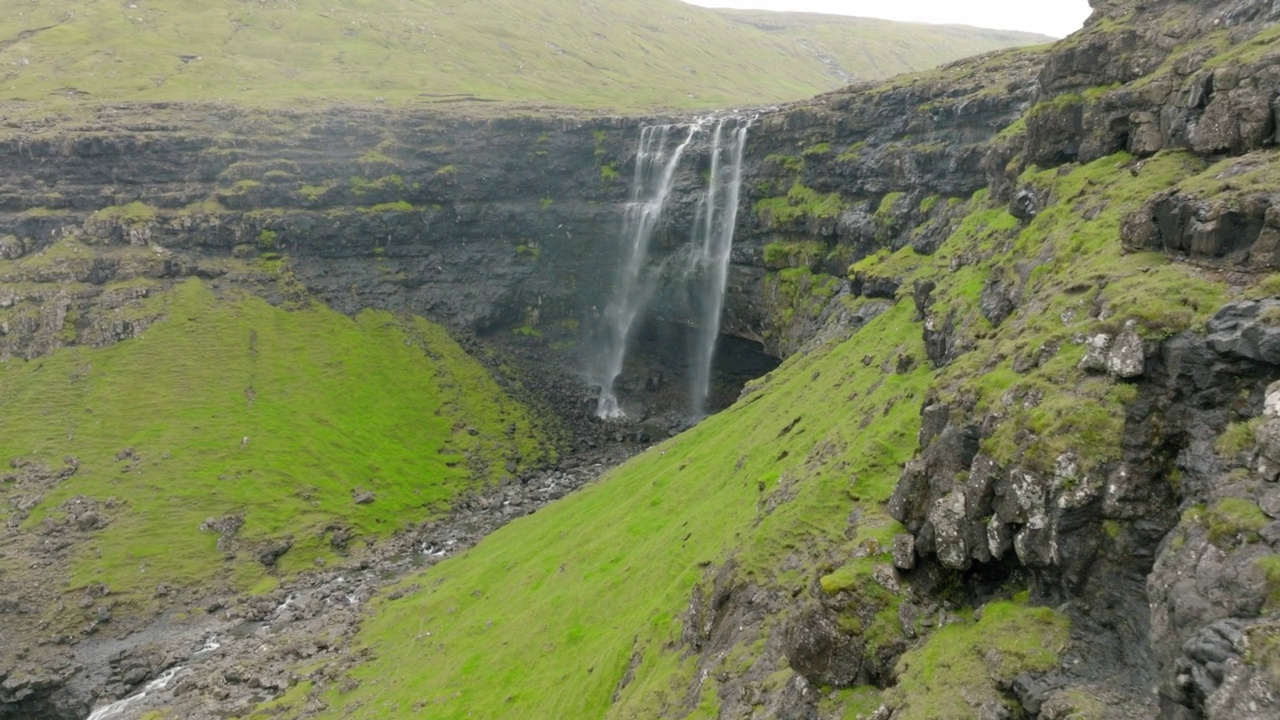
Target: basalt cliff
(1019, 458)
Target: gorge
(1008, 449)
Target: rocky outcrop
(475, 223)
(1148, 57)
(1236, 231)
(1088, 531)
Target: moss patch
(799, 202)
(1231, 520)
(959, 666)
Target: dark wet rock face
(1242, 233)
(487, 226)
(470, 222)
(821, 653)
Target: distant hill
(605, 54)
(857, 49)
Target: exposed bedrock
(1166, 550)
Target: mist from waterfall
(713, 242)
(657, 158)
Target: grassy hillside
(611, 53)
(605, 574)
(869, 49)
(231, 407)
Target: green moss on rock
(961, 666)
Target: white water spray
(713, 244)
(117, 709)
(656, 163)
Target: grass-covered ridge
(1064, 263)
(612, 53)
(231, 407)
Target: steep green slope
(281, 420)
(871, 49)
(655, 54)
(542, 618)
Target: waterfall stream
(658, 158)
(656, 163)
(713, 241)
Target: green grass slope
(235, 407)
(541, 619)
(611, 53)
(871, 49)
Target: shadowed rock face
(484, 225)
(470, 222)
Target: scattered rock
(1123, 356)
(1127, 356)
(1025, 204)
(273, 552)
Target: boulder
(948, 520)
(1025, 204)
(1096, 349)
(817, 649)
(1247, 330)
(1126, 358)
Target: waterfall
(713, 242)
(658, 159)
(656, 163)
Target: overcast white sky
(1058, 18)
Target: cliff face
(488, 226)
(474, 222)
(1159, 537)
(481, 223)
(1059, 260)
